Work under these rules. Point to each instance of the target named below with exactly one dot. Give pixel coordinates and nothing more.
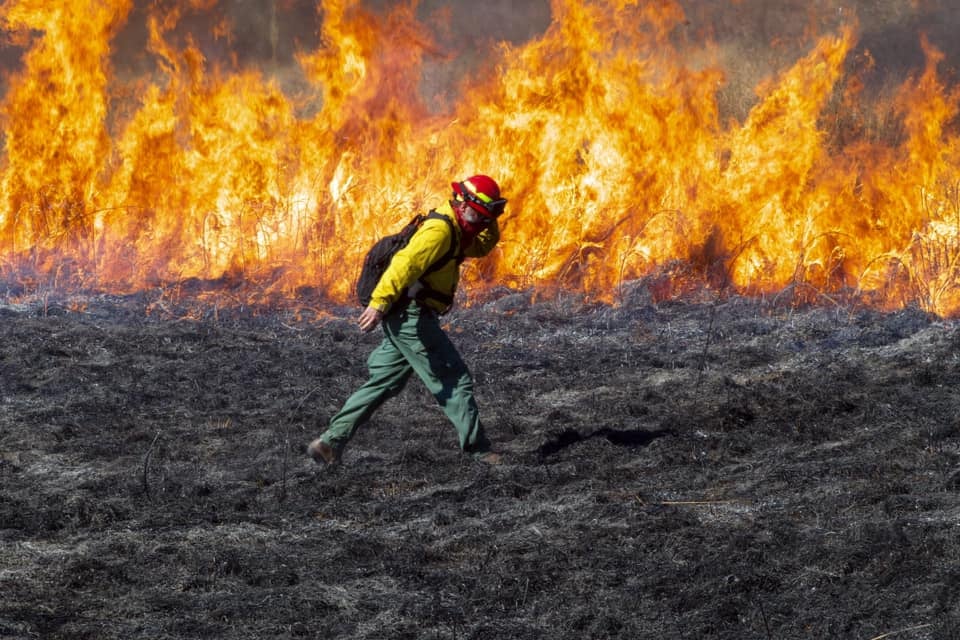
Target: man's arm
(428, 244)
(485, 241)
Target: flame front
(606, 137)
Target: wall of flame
(620, 131)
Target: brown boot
(321, 452)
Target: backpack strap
(419, 290)
(454, 244)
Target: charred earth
(721, 469)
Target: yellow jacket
(430, 243)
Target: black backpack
(381, 253)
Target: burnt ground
(719, 469)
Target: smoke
(271, 32)
(754, 38)
(267, 35)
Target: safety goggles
(493, 207)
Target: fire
(606, 132)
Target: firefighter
(407, 301)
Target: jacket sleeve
(430, 242)
(484, 242)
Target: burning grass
(712, 427)
(628, 137)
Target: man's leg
(416, 333)
(389, 372)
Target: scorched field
(721, 469)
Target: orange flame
(605, 133)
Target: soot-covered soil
(691, 470)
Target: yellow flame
(604, 132)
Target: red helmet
(482, 193)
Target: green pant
(414, 342)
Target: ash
(721, 469)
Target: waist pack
(378, 258)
